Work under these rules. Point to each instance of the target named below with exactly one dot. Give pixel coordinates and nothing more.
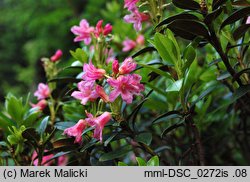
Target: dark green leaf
(177, 17)
(237, 75)
(171, 128)
(113, 135)
(237, 15)
(191, 28)
(186, 4)
(65, 80)
(240, 92)
(240, 31)
(145, 138)
(212, 16)
(116, 153)
(156, 70)
(218, 3)
(32, 136)
(144, 50)
(168, 115)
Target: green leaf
(237, 75)
(189, 56)
(145, 138)
(165, 48)
(113, 135)
(122, 164)
(43, 125)
(175, 86)
(156, 70)
(64, 125)
(186, 4)
(14, 107)
(144, 50)
(141, 161)
(116, 153)
(79, 55)
(5, 122)
(237, 15)
(174, 126)
(154, 161)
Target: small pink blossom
(101, 92)
(128, 45)
(76, 130)
(126, 86)
(99, 123)
(140, 40)
(44, 160)
(58, 54)
(130, 4)
(99, 30)
(41, 104)
(115, 66)
(42, 92)
(86, 92)
(127, 66)
(63, 160)
(91, 73)
(83, 32)
(248, 20)
(136, 18)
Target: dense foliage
(148, 82)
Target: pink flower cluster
(41, 93)
(97, 122)
(135, 17)
(85, 33)
(129, 44)
(122, 83)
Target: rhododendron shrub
(152, 87)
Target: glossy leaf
(237, 15)
(141, 161)
(115, 154)
(43, 125)
(218, 3)
(145, 138)
(240, 31)
(186, 4)
(190, 27)
(154, 161)
(144, 50)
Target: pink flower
(42, 92)
(126, 86)
(99, 123)
(130, 4)
(136, 18)
(44, 160)
(127, 66)
(83, 32)
(115, 66)
(91, 73)
(41, 104)
(86, 92)
(76, 130)
(140, 40)
(248, 20)
(111, 55)
(99, 30)
(62, 160)
(128, 45)
(100, 91)
(56, 56)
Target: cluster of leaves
(195, 110)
